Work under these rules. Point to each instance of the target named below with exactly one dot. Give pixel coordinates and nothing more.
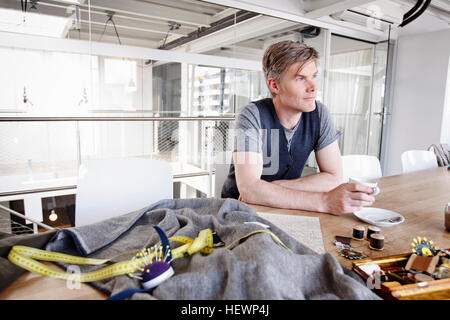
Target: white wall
(419, 94)
(445, 134)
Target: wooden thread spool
(376, 241)
(420, 277)
(358, 232)
(372, 230)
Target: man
(275, 137)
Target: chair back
(414, 160)
(361, 166)
(223, 162)
(111, 187)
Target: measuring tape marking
(44, 255)
(25, 257)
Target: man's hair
(279, 56)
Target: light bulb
(53, 216)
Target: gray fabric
(257, 268)
(10, 272)
(328, 132)
(289, 134)
(249, 122)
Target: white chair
(223, 162)
(361, 166)
(111, 187)
(414, 160)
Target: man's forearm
(318, 182)
(273, 195)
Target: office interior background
(164, 79)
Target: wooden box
(430, 290)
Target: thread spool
(358, 232)
(372, 230)
(376, 241)
(420, 277)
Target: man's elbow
(248, 192)
(334, 179)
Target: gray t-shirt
(249, 121)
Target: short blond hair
(279, 56)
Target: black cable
(165, 38)
(412, 10)
(416, 15)
(114, 25)
(117, 34)
(104, 29)
(172, 26)
(24, 3)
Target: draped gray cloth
(257, 268)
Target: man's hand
(347, 198)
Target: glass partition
(97, 79)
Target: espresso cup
(373, 185)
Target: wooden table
(31, 286)
(419, 196)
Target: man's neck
(288, 117)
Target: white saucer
(373, 215)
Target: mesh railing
(15, 223)
(7, 225)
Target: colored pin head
(154, 263)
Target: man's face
(297, 88)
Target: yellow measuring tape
(25, 257)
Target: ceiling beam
(99, 18)
(292, 12)
(223, 14)
(97, 30)
(441, 4)
(145, 9)
(248, 29)
(55, 10)
(126, 24)
(215, 27)
(73, 34)
(64, 10)
(129, 32)
(191, 5)
(321, 8)
(371, 34)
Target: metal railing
(8, 225)
(162, 136)
(90, 118)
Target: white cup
(373, 185)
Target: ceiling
(201, 26)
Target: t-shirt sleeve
(328, 132)
(247, 130)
